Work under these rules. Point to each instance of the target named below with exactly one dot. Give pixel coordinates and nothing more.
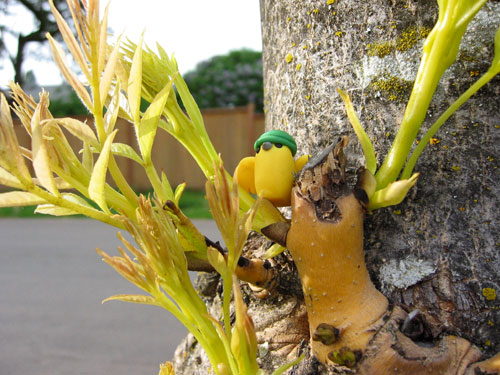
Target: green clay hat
(277, 136)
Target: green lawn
(193, 204)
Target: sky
(193, 30)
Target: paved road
(51, 318)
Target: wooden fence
(232, 131)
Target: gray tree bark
(438, 251)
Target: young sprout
(439, 52)
(160, 269)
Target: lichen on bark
(449, 219)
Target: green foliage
(228, 80)
(194, 205)
(69, 105)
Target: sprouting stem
(439, 52)
(121, 182)
(485, 78)
(61, 202)
(156, 182)
(97, 111)
(226, 303)
(115, 199)
(210, 343)
(428, 76)
(364, 140)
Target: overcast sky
(193, 30)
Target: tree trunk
(439, 250)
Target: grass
(193, 204)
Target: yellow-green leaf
(102, 31)
(274, 250)
(133, 298)
(60, 59)
(78, 128)
(167, 188)
(19, 198)
(149, 122)
(125, 150)
(70, 40)
(392, 194)
(135, 84)
(113, 109)
(109, 70)
(10, 152)
(98, 178)
(9, 180)
(41, 162)
(61, 184)
(87, 157)
(496, 59)
(50, 209)
(178, 192)
(243, 339)
(217, 260)
(364, 140)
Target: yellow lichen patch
(329, 2)
(490, 294)
(392, 87)
(404, 42)
(339, 34)
(410, 37)
(380, 49)
(456, 168)
(434, 141)
(298, 67)
(289, 58)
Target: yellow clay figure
(270, 173)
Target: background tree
(43, 22)
(228, 80)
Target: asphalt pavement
(52, 320)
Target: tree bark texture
(439, 250)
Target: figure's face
(274, 172)
(267, 146)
